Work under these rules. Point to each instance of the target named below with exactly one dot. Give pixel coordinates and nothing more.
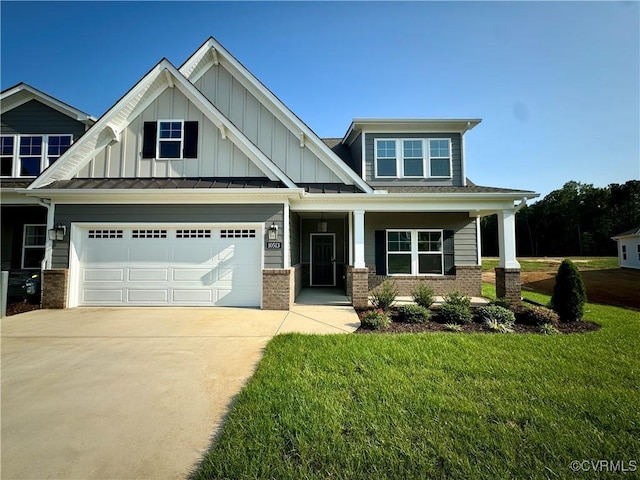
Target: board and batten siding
(262, 128)
(34, 117)
(465, 241)
(178, 214)
(216, 157)
(456, 161)
(294, 237)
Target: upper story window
(413, 158)
(170, 140)
(28, 155)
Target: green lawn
(551, 264)
(437, 405)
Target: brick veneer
(508, 285)
(278, 288)
(468, 280)
(54, 288)
(358, 286)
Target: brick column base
(358, 286)
(278, 288)
(508, 285)
(54, 288)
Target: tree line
(578, 219)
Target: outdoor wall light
(273, 232)
(322, 226)
(58, 232)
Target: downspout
(522, 204)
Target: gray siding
(294, 237)
(66, 214)
(356, 154)
(456, 161)
(465, 242)
(34, 117)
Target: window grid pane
(31, 146)
(399, 242)
(6, 145)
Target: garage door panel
(148, 275)
(103, 274)
(147, 296)
(103, 296)
(170, 266)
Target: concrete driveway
(130, 393)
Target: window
(624, 252)
(440, 157)
(413, 158)
(639, 252)
(170, 140)
(386, 161)
(6, 159)
(28, 155)
(413, 161)
(33, 242)
(415, 252)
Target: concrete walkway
(124, 393)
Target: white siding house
(629, 248)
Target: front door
(323, 265)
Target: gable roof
(629, 233)
(213, 53)
(107, 129)
(22, 93)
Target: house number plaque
(274, 245)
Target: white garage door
(181, 265)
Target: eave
(408, 125)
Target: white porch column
(358, 239)
(507, 239)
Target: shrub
(496, 326)
(569, 295)
(501, 315)
(456, 308)
(423, 295)
(375, 320)
(549, 329)
(454, 327)
(384, 295)
(414, 313)
(535, 315)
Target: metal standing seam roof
(445, 189)
(191, 183)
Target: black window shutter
(448, 249)
(190, 140)
(149, 133)
(381, 252)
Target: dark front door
(322, 260)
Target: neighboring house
(200, 187)
(628, 248)
(35, 130)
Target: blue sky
(556, 84)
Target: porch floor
(322, 296)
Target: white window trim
(440, 158)
(375, 157)
(426, 158)
(181, 139)
(44, 154)
(415, 254)
(25, 246)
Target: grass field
(438, 405)
(551, 264)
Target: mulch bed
(434, 325)
(15, 308)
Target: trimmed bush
(423, 295)
(456, 309)
(384, 295)
(414, 313)
(375, 320)
(535, 315)
(569, 294)
(498, 314)
(501, 302)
